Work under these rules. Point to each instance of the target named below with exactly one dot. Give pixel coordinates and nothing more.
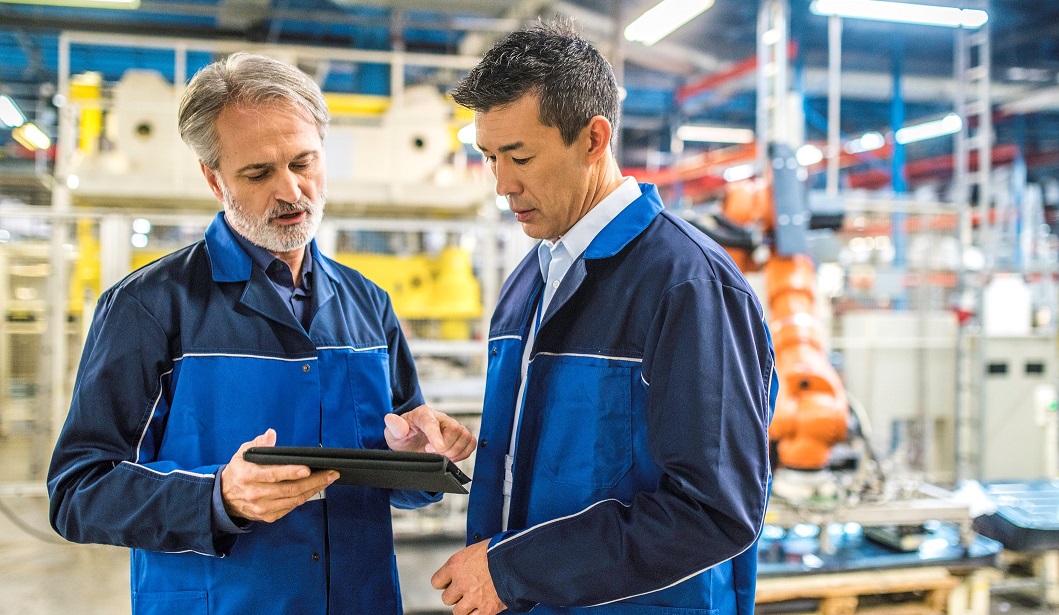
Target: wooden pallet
(844, 593)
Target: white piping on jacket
(588, 356)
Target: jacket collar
(230, 263)
(627, 225)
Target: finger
(276, 473)
(451, 596)
(465, 452)
(427, 422)
(441, 578)
(465, 607)
(312, 484)
(396, 426)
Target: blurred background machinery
(889, 188)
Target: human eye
(303, 163)
(521, 161)
(257, 177)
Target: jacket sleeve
(102, 487)
(707, 369)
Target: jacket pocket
(586, 435)
(170, 603)
(369, 385)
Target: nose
(288, 187)
(506, 179)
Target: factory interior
(885, 175)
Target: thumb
(266, 439)
(396, 426)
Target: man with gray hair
(250, 337)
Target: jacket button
(494, 351)
(305, 367)
(477, 536)
(316, 556)
(482, 443)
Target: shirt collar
(581, 234)
(264, 259)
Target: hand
(425, 430)
(266, 493)
(467, 583)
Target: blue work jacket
(188, 358)
(641, 471)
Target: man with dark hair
(623, 453)
(250, 337)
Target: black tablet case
(370, 467)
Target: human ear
(213, 181)
(598, 132)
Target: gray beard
(260, 232)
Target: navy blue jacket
(188, 358)
(641, 471)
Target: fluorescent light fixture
(867, 142)
(86, 4)
(808, 155)
(901, 12)
(31, 137)
(466, 134)
(947, 125)
(10, 114)
(738, 172)
(715, 134)
(771, 37)
(663, 18)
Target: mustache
(282, 208)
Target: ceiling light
(738, 173)
(88, 4)
(867, 142)
(947, 125)
(10, 114)
(715, 134)
(902, 12)
(663, 18)
(466, 134)
(31, 137)
(809, 155)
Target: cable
(27, 528)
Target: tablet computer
(385, 469)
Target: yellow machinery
(442, 288)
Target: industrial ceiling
(1025, 42)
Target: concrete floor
(40, 574)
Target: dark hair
(573, 81)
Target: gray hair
(243, 79)
(572, 79)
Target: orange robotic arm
(811, 410)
